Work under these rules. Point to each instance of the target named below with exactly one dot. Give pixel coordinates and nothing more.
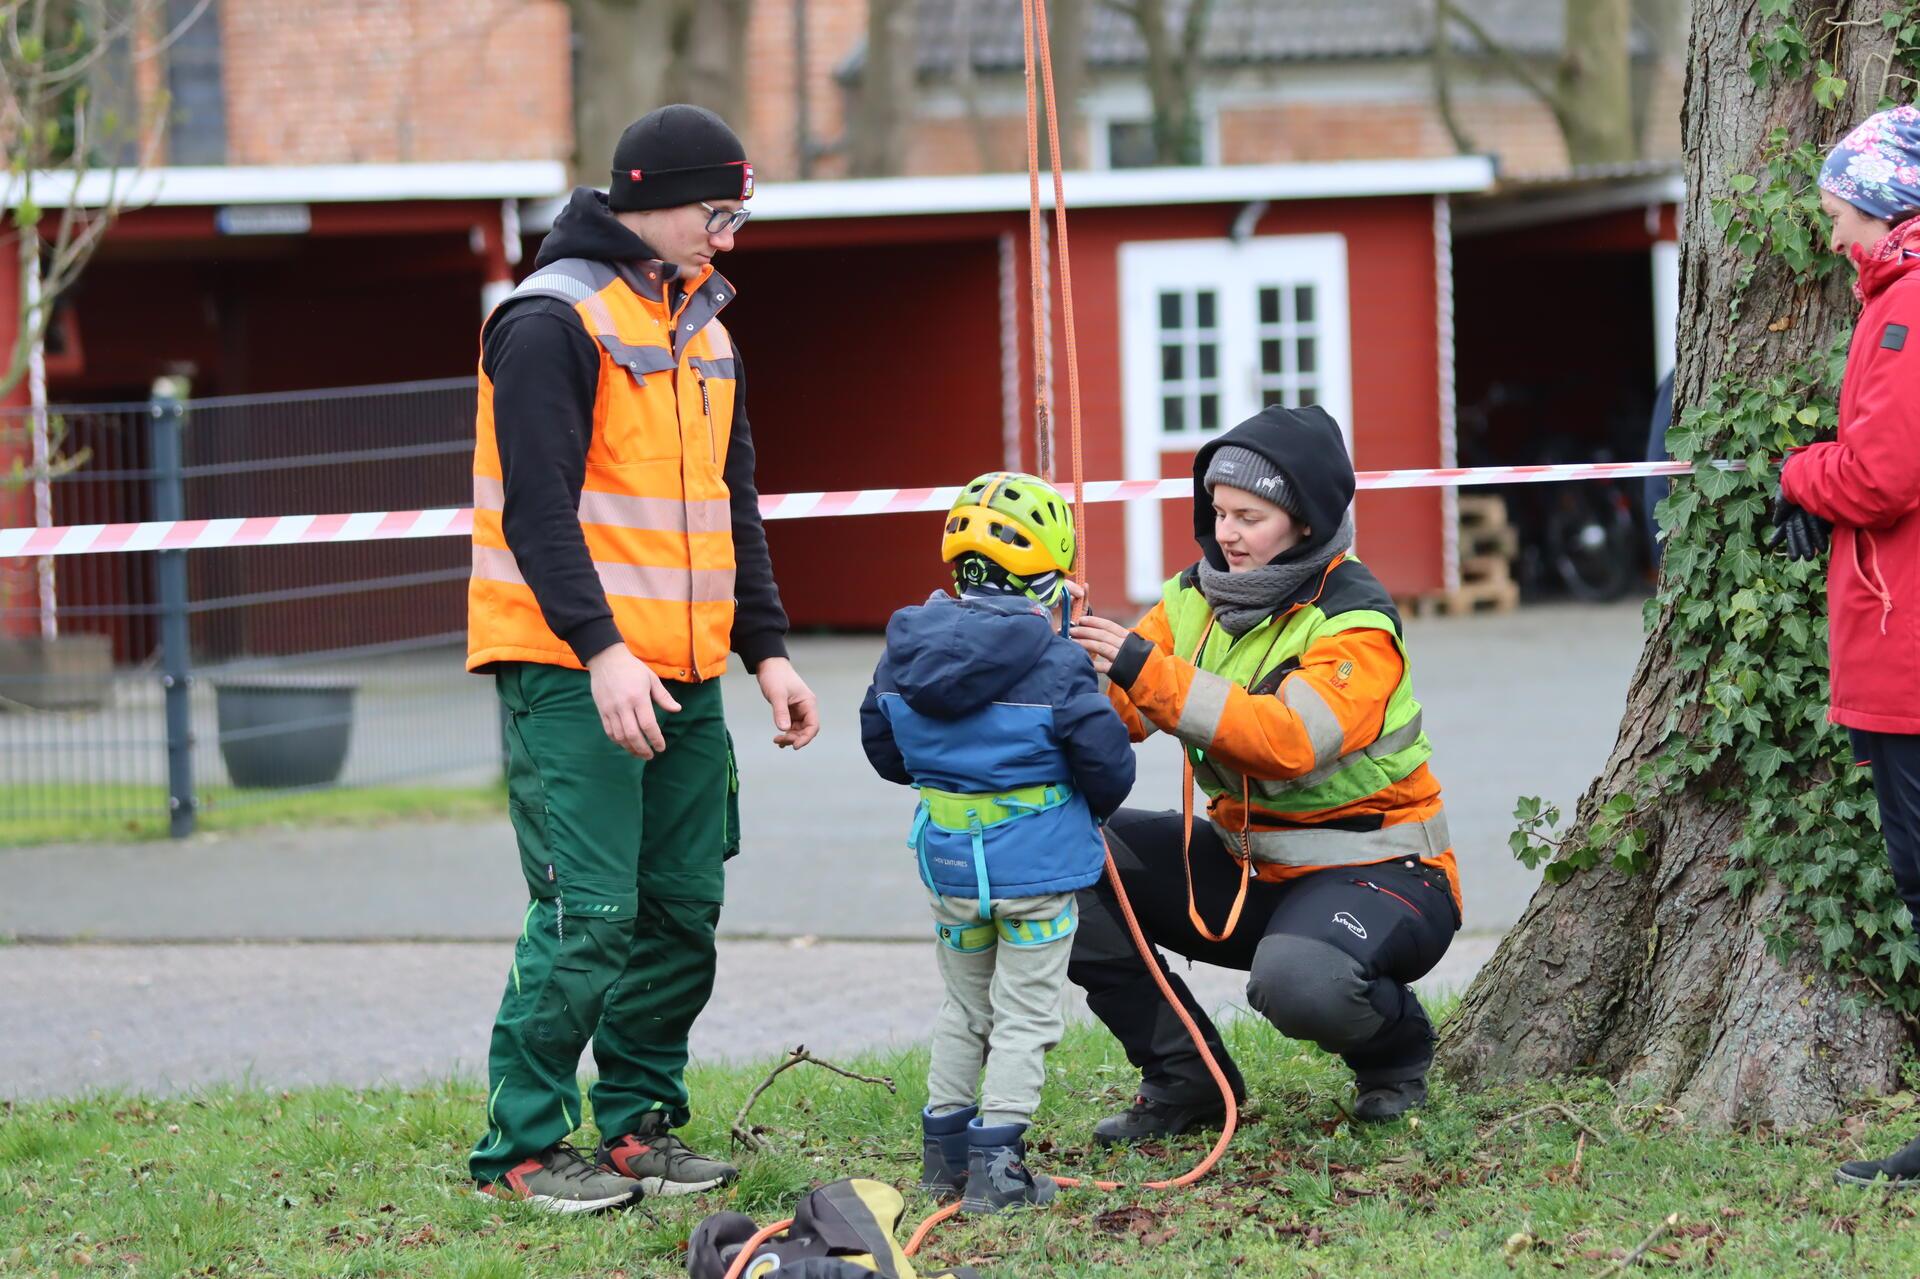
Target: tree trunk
(622, 49)
(1594, 102)
(1173, 69)
(1067, 33)
(631, 56)
(1662, 980)
(710, 62)
(883, 112)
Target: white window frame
(1235, 272)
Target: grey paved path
(168, 1018)
(1524, 703)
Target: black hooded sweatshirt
(545, 369)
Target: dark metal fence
(150, 686)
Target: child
(997, 718)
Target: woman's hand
(1102, 640)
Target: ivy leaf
(1768, 760)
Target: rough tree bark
(1661, 980)
(883, 111)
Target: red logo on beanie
(633, 175)
(746, 180)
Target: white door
(1211, 332)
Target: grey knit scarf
(1241, 601)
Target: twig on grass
(1579, 1153)
(742, 1133)
(1558, 1108)
(1632, 1259)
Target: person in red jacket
(1862, 490)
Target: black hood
(586, 228)
(1306, 445)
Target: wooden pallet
(1488, 545)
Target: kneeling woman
(1323, 868)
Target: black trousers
(1895, 758)
(1328, 956)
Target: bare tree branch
(1443, 79)
(1508, 60)
(746, 1136)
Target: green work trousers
(623, 860)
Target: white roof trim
(1006, 192)
(298, 184)
(1517, 207)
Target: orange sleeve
(1157, 631)
(1333, 703)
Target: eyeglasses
(723, 221)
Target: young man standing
(618, 555)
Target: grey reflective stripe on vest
(618, 510)
(1323, 726)
(721, 368)
(632, 581)
(1205, 703)
(572, 280)
(1320, 847)
(1386, 744)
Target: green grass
(340, 1182)
(64, 813)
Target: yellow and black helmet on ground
(1011, 531)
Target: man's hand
(796, 714)
(1101, 638)
(625, 691)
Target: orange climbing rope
(1035, 16)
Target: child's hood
(951, 657)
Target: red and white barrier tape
(374, 526)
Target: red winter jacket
(1867, 481)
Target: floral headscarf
(1876, 168)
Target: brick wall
(835, 28)
(371, 81)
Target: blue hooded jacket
(981, 695)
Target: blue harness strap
(1010, 808)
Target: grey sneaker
(560, 1180)
(661, 1162)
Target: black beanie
(677, 155)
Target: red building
(886, 332)
(885, 327)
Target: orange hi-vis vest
(654, 507)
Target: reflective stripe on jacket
(654, 507)
(1304, 732)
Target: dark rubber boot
(943, 1151)
(1898, 1171)
(1147, 1119)
(997, 1175)
(1377, 1103)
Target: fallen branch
(1653, 1236)
(1558, 1108)
(742, 1133)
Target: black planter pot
(284, 731)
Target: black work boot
(997, 1174)
(1377, 1103)
(1148, 1118)
(943, 1151)
(1898, 1171)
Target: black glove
(1799, 534)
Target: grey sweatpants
(1002, 1012)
